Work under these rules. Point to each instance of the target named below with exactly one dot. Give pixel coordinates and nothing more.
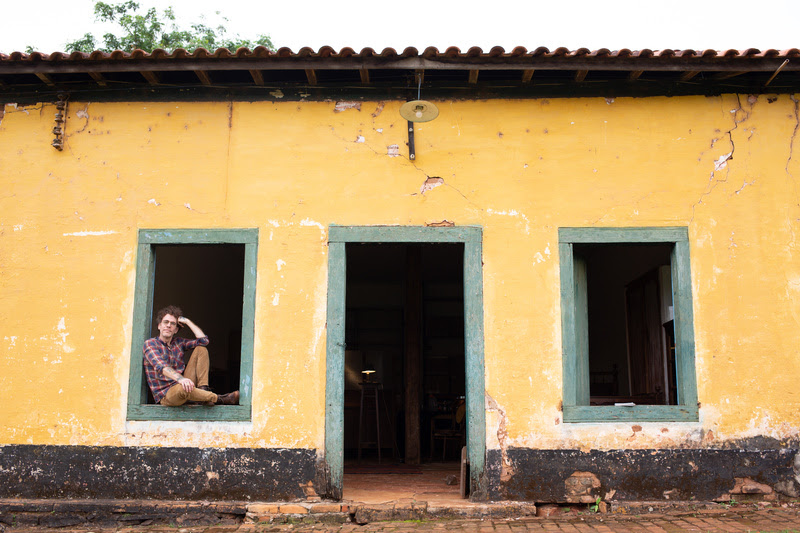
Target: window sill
(224, 413)
(636, 413)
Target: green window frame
(142, 318)
(575, 348)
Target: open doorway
(404, 372)
(421, 289)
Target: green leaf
(152, 30)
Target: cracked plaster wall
(723, 166)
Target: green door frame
(338, 237)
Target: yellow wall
(520, 169)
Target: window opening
(211, 275)
(627, 325)
(206, 281)
(629, 293)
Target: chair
(448, 426)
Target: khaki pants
(197, 371)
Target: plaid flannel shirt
(158, 354)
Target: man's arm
(194, 327)
(153, 356)
(173, 374)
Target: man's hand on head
(183, 321)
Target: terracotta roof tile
(429, 52)
(660, 66)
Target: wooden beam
(634, 75)
(45, 78)
(728, 75)
(780, 68)
(258, 79)
(417, 64)
(312, 76)
(153, 78)
(96, 76)
(205, 79)
(413, 355)
(364, 75)
(473, 76)
(581, 75)
(689, 74)
(527, 75)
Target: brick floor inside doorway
(429, 486)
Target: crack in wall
(791, 177)
(228, 157)
(794, 133)
(24, 108)
(360, 139)
(81, 113)
(502, 437)
(721, 163)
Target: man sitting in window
(171, 381)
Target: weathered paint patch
(510, 213)
(722, 161)
(682, 474)
(344, 106)
(89, 233)
(156, 472)
(430, 184)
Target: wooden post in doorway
(413, 355)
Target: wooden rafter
(97, 77)
(153, 78)
(364, 72)
(634, 74)
(311, 74)
(686, 76)
(581, 75)
(522, 62)
(45, 78)
(527, 75)
(473, 76)
(258, 78)
(203, 76)
(777, 71)
(728, 75)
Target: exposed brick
(292, 509)
(262, 508)
(326, 508)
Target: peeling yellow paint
(723, 166)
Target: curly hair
(173, 310)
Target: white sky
(634, 24)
